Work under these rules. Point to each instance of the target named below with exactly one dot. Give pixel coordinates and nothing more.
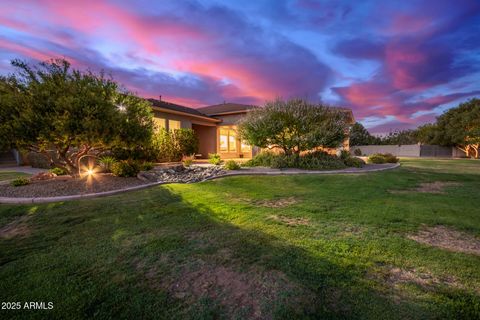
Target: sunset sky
(397, 64)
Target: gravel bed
(55, 188)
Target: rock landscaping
(181, 174)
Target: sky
(396, 64)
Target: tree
(460, 127)
(359, 136)
(294, 126)
(66, 114)
(426, 134)
(399, 138)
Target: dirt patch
(437, 187)
(250, 292)
(16, 228)
(397, 276)
(291, 221)
(447, 238)
(274, 203)
(253, 293)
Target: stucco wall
(411, 150)
(207, 139)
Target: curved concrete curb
(7, 200)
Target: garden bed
(66, 187)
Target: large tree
(460, 127)
(65, 114)
(359, 136)
(400, 137)
(294, 126)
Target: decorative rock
(47, 175)
(181, 175)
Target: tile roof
(225, 108)
(176, 107)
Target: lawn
(279, 247)
(10, 175)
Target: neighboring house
(216, 126)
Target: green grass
(10, 175)
(209, 250)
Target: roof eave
(206, 117)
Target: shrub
(231, 165)
(263, 159)
(107, 162)
(38, 160)
(357, 152)
(187, 162)
(20, 182)
(147, 166)
(214, 158)
(186, 141)
(354, 162)
(390, 158)
(344, 154)
(317, 160)
(59, 171)
(172, 146)
(377, 158)
(126, 168)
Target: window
(245, 146)
(174, 125)
(228, 140)
(159, 123)
(223, 140)
(232, 141)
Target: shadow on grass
(152, 255)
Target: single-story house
(215, 126)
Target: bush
(107, 162)
(231, 165)
(382, 158)
(186, 141)
(172, 146)
(147, 166)
(20, 182)
(59, 171)
(187, 162)
(38, 160)
(126, 168)
(214, 158)
(357, 152)
(263, 159)
(317, 160)
(390, 158)
(354, 162)
(344, 154)
(377, 158)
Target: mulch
(73, 186)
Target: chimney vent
(160, 97)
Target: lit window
(174, 125)
(223, 140)
(228, 140)
(245, 146)
(159, 123)
(232, 141)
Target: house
(215, 126)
